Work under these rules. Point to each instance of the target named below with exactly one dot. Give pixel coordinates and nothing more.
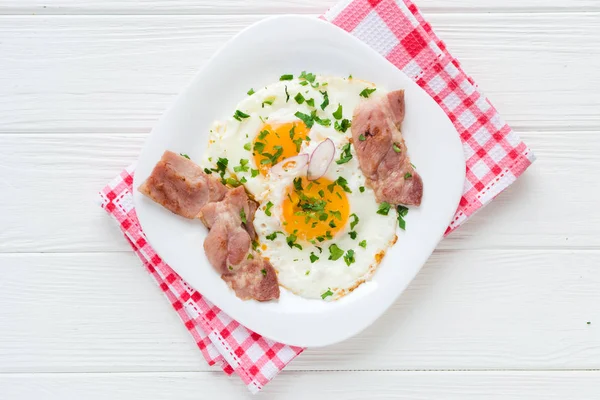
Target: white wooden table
(508, 307)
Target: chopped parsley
(407, 175)
(287, 77)
(346, 155)
(363, 244)
(298, 142)
(287, 95)
(293, 132)
(243, 167)
(325, 102)
(307, 272)
(332, 224)
(254, 172)
(259, 147)
(335, 252)
(207, 171)
(272, 158)
(384, 208)
(327, 294)
(361, 189)
(248, 146)
(243, 216)
(349, 257)
(269, 101)
(338, 113)
(341, 182)
(307, 119)
(336, 214)
(310, 77)
(323, 122)
(221, 166)
(230, 268)
(354, 221)
(299, 98)
(273, 235)
(321, 193)
(328, 235)
(185, 155)
(250, 256)
(310, 102)
(251, 92)
(413, 165)
(268, 209)
(240, 115)
(232, 182)
(263, 134)
(313, 257)
(362, 138)
(342, 126)
(397, 148)
(367, 92)
(352, 235)
(291, 241)
(264, 272)
(402, 211)
(243, 180)
(254, 244)
(298, 184)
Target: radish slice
(291, 165)
(320, 159)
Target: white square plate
(258, 56)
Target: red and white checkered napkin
(495, 158)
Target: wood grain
(187, 7)
(526, 385)
(476, 310)
(51, 183)
(118, 73)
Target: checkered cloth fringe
(494, 154)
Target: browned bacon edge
(184, 188)
(382, 152)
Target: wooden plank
(118, 73)
(188, 7)
(479, 310)
(355, 385)
(51, 183)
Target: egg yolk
(315, 210)
(276, 142)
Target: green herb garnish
(361, 189)
(354, 221)
(243, 167)
(268, 209)
(367, 92)
(240, 115)
(185, 155)
(342, 126)
(311, 102)
(287, 77)
(327, 294)
(243, 216)
(287, 95)
(299, 98)
(273, 235)
(349, 257)
(248, 146)
(352, 235)
(264, 272)
(362, 138)
(251, 92)
(363, 244)
(325, 102)
(384, 208)
(402, 211)
(254, 172)
(313, 257)
(346, 155)
(397, 148)
(307, 119)
(338, 113)
(335, 252)
(407, 175)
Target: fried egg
(324, 237)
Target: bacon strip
(182, 187)
(381, 150)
